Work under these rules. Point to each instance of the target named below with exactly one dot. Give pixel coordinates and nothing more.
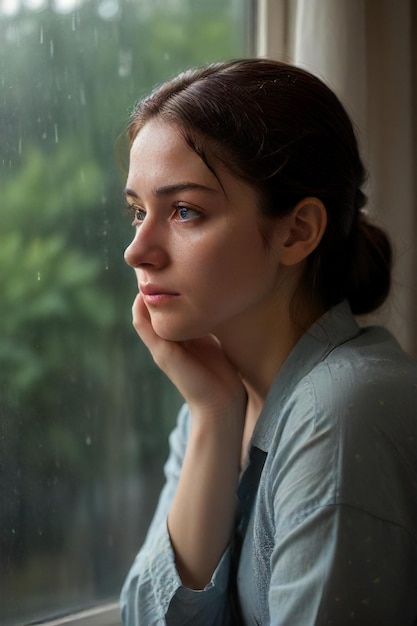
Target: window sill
(104, 615)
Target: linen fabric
(330, 535)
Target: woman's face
(198, 254)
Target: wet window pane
(84, 413)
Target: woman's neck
(258, 351)
(258, 348)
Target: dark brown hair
(284, 132)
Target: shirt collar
(335, 327)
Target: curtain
(366, 52)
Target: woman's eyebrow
(181, 186)
(167, 190)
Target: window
(84, 413)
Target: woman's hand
(199, 369)
(201, 517)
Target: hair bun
(368, 278)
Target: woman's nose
(146, 248)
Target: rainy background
(84, 413)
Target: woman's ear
(305, 226)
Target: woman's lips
(155, 294)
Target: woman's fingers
(198, 368)
(165, 353)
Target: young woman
(291, 485)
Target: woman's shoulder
(369, 374)
(347, 435)
(354, 379)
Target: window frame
(271, 21)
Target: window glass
(84, 413)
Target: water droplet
(108, 9)
(82, 96)
(125, 63)
(10, 7)
(35, 5)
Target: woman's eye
(137, 213)
(140, 215)
(186, 214)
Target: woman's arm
(341, 565)
(344, 484)
(152, 593)
(201, 516)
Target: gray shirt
(328, 499)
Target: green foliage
(47, 280)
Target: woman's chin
(171, 332)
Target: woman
(252, 253)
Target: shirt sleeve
(152, 593)
(340, 566)
(344, 551)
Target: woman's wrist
(221, 427)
